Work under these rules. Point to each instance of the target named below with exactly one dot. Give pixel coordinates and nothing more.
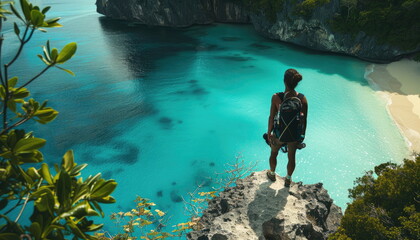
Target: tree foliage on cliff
(270, 8)
(60, 204)
(395, 22)
(386, 207)
(306, 7)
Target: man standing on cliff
(287, 124)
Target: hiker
(283, 130)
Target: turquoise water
(161, 109)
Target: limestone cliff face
(175, 13)
(260, 209)
(312, 32)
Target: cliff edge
(257, 208)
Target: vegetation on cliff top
(394, 22)
(386, 207)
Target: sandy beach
(399, 84)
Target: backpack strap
(300, 96)
(280, 95)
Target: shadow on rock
(267, 205)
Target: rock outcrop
(311, 31)
(257, 208)
(178, 13)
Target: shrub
(385, 207)
(61, 203)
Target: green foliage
(307, 7)
(61, 203)
(394, 22)
(3, 11)
(143, 222)
(385, 207)
(147, 222)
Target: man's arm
(273, 112)
(305, 113)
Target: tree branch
(14, 125)
(22, 43)
(1, 45)
(13, 208)
(23, 208)
(39, 74)
(6, 77)
(30, 36)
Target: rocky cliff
(174, 13)
(310, 31)
(260, 209)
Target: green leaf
(21, 93)
(46, 52)
(82, 209)
(53, 25)
(45, 202)
(46, 9)
(76, 170)
(67, 71)
(91, 180)
(27, 178)
(98, 207)
(45, 112)
(16, 28)
(31, 157)
(76, 231)
(107, 199)
(37, 18)
(11, 105)
(33, 173)
(48, 47)
(12, 82)
(44, 60)
(49, 229)
(16, 13)
(94, 227)
(80, 191)
(53, 20)
(44, 103)
(13, 137)
(54, 54)
(64, 189)
(25, 9)
(103, 189)
(68, 161)
(45, 173)
(2, 92)
(35, 229)
(3, 203)
(7, 154)
(28, 145)
(9, 236)
(67, 52)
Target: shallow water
(160, 109)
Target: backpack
(288, 125)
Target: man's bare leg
(273, 160)
(291, 155)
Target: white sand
(400, 83)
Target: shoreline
(399, 83)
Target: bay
(161, 109)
